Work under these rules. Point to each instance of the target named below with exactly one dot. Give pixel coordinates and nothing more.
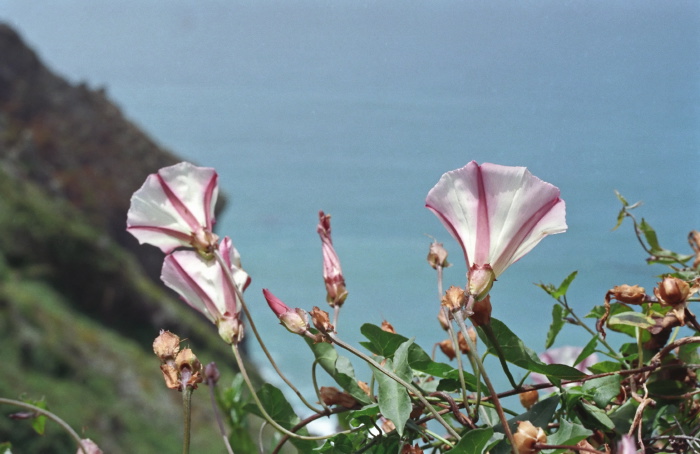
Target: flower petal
(497, 213)
(198, 281)
(172, 204)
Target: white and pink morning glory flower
(497, 214)
(205, 285)
(175, 207)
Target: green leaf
(365, 415)
(604, 367)
(39, 421)
(621, 199)
(516, 352)
(394, 402)
(473, 442)
(587, 351)
(339, 368)
(556, 326)
(568, 434)
(276, 405)
(6, 448)
(602, 390)
(597, 418)
(385, 344)
(649, 235)
(564, 286)
(630, 318)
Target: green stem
(187, 415)
(398, 380)
(499, 352)
(224, 266)
(55, 418)
(580, 323)
(217, 415)
(264, 412)
(458, 356)
(494, 396)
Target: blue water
(358, 107)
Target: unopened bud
(529, 398)
(212, 373)
(455, 298)
(481, 312)
(230, 329)
(295, 320)
(321, 321)
(629, 294)
(527, 436)
(166, 346)
(437, 255)
(481, 278)
(672, 291)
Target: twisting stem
(55, 418)
(398, 380)
(241, 300)
(499, 352)
(494, 396)
(264, 412)
(187, 416)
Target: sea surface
(358, 107)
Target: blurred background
(358, 107)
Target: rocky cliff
(80, 302)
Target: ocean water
(358, 107)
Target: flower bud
(336, 292)
(166, 346)
(295, 320)
(481, 312)
(212, 373)
(529, 398)
(630, 294)
(321, 321)
(230, 329)
(481, 278)
(437, 255)
(527, 436)
(455, 298)
(672, 291)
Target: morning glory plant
(639, 396)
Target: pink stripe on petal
(483, 240)
(178, 278)
(209, 200)
(179, 206)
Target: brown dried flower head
(630, 294)
(321, 321)
(386, 326)
(481, 315)
(527, 436)
(166, 346)
(332, 396)
(408, 449)
(529, 398)
(455, 298)
(447, 348)
(437, 255)
(443, 319)
(189, 368)
(672, 291)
